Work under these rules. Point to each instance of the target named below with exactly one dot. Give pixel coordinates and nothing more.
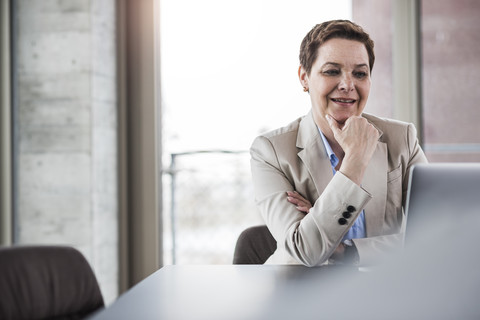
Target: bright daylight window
(229, 72)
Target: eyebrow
(339, 65)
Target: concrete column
(5, 128)
(67, 130)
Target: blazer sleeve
(313, 237)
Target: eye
(331, 72)
(360, 74)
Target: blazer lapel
(375, 182)
(313, 153)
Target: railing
(210, 202)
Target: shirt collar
(331, 155)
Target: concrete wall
(66, 130)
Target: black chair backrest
(45, 282)
(254, 246)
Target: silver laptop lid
(443, 198)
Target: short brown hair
(343, 29)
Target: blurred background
(126, 124)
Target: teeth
(344, 100)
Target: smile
(343, 100)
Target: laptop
(443, 201)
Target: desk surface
(224, 292)
(231, 292)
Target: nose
(346, 83)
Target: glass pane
(380, 101)
(451, 75)
(229, 72)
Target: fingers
(296, 197)
(333, 124)
(356, 133)
(300, 202)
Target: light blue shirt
(358, 228)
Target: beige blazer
(294, 158)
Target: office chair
(254, 246)
(46, 282)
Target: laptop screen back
(443, 198)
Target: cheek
(327, 87)
(366, 93)
(364, 90)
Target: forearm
(311, 239)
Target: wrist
(352, 170)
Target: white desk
(231, 292)
(224, 292)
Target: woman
(332, 184)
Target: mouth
(343, 100)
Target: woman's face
(339, 81)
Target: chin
(340, 119)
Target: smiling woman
(324, 183)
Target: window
(229, 72)
(451, 74)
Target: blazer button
(342, 221)
(346, 215)
(351, 208)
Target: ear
(303, 77)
